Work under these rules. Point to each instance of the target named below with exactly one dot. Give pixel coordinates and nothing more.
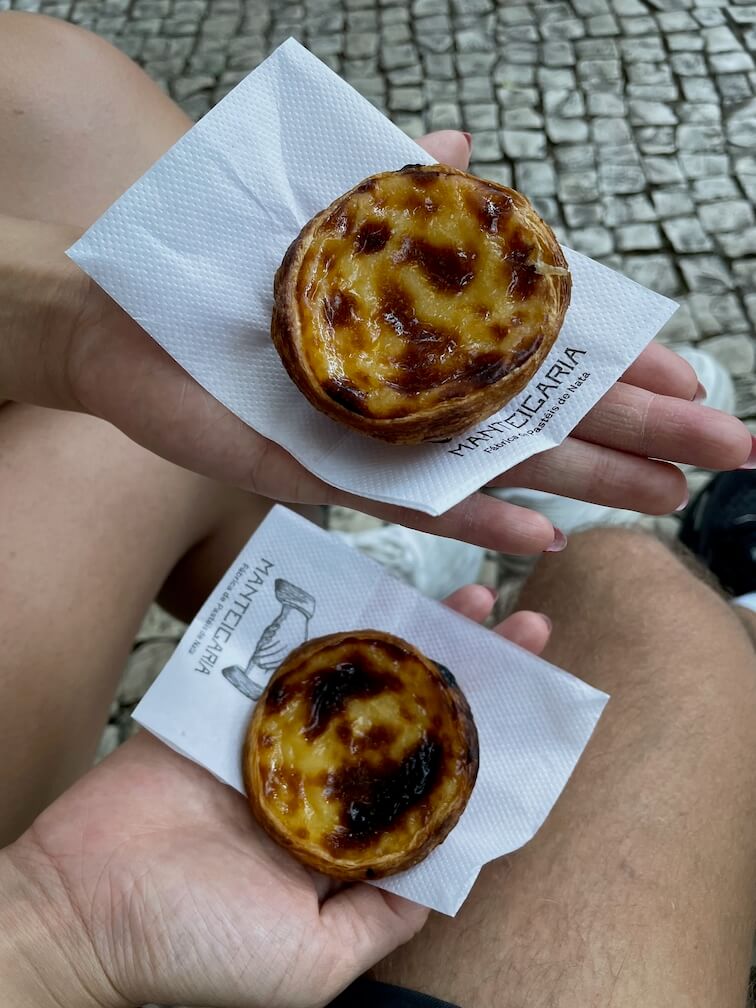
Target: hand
(152, 882)
(83, 352)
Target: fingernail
(701, 393)
(560, 541)
(547, 621)
(494, 593)
(681, 507)
(750, 462)
(468, 137)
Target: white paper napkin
(190, 251)
(533, 719)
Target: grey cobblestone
(574, 157)
(647, 113)
(731, 62)
(674, 201)
(616, 179)
(725, 215)
(627, 209)
(697, 166)
(485, 116)
(642, 25)
(739, 243)
(558, 54)
(582, 215)
(699, 89)
(654, 271)
(656, 140)
(707, 274)
(560, 130)
(563, 104)
(635, 237)
(537, 178)
(524, 144)
(522, 118)
(663, 170)
(604, 103)
(734, 87)
(720, 187)
(686, 234)
(487, 146)
(699, 112)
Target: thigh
(639, 888)
(91, 523)
(80, 122)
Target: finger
(474, 601)
(366, 924)
(449, 147)
(661, 370)
(601, 475)
(493, 524)
(178, 420)
(661, 427)
(531, 630)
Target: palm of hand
(185, 899)
(612, 458)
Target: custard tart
(360, 755)
(419, 303)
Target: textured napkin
(190, 251)
(533, 719)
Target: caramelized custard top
(358, 748)
(420, 287)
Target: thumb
(365, 924)
(449, 147)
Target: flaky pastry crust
(419, 303)
(360, 755)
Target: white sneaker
(434, 565)
(570, 515)
(715, 378)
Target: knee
(627, 582)
(48, 65)
(614, 555)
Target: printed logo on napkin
(533, 719)
(191, 249)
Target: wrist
(42, 294)
(46, 959)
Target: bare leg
(91, 524)
(639, 890)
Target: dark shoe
(720, 528)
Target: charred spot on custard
(372, 237)
(346, 394)
(340, 309)
(447, 269)
(329, 690)
(375, 797)
(490, 208)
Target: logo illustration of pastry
(286, 632)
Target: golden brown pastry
(361, 755)
(419, 303)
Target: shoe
(434, 565)
(720, 528)
(570, 515)
(715, 378)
